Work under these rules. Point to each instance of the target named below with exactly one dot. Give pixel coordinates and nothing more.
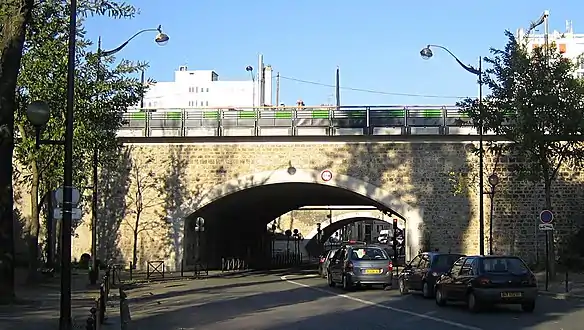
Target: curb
(561, 295)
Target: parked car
(355, 265)
(324, 261)
(421, 273)
(488, 280)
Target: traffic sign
(75, 213)
(546, 216)
(326, 175)
(75, 195)
(546, 226)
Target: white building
(204, 89)
(567, 43)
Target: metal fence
(345, 120)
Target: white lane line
(393, 309)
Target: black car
(488, 280)
(421, 273)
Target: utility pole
(338, 89)
(278, 89)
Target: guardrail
(286, 121)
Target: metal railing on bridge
(298, 121)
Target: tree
(14, 17)
(537, 104)
(43, 76)
(142, 196)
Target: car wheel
(402, 287)
(426, 291)
(346, 284)
(528, 307)
(472, 303)
(440, 300)
(329, 279)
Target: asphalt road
(300, 302)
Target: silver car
(365, 265)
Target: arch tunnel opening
(236, 223)
(315, 247)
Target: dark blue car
(421, 273)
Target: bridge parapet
(298, 121)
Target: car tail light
(349, 266)
(483, 281)
(531, 281)
(322, 260)
(390, 266)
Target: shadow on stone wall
(113, 186)
(178, 201)
(417, 174)
(518, 203)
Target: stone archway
(413, 215)
(375, 215)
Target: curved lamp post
(426, 54)
(493, 182)
(161, 39)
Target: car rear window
(368, 253)
(445, 261)
(504, 265)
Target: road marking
(371, 303)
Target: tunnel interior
(236, 224)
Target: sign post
(546, 217)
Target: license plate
(511, 294)
(372, 271)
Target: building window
(196, 89)
(191, 89)
(207, 89)
(201, 103)
(206, 103)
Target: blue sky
(375, 43)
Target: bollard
(102, 304)
(90, 324)
(124, 310)
(566, 281)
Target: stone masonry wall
(173, 177)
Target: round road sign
(546, 216)
(326, 175)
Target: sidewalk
(38, 305)
(557, 288)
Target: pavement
(557, 288)
(38, 305)
(284, 300)
(303, 301)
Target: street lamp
(426, 54)
(161, 39)
(493, 182)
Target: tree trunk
(135, 247)
(14, 17)
(33, 226)
(552, 250)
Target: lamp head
(249, 68)
(493, 179)
(38, 113)
(426, 53)
(161, 38)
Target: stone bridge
(239, 186)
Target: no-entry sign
(326, 175)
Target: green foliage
(43, 76)
(536, 103)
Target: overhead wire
(372, 91)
